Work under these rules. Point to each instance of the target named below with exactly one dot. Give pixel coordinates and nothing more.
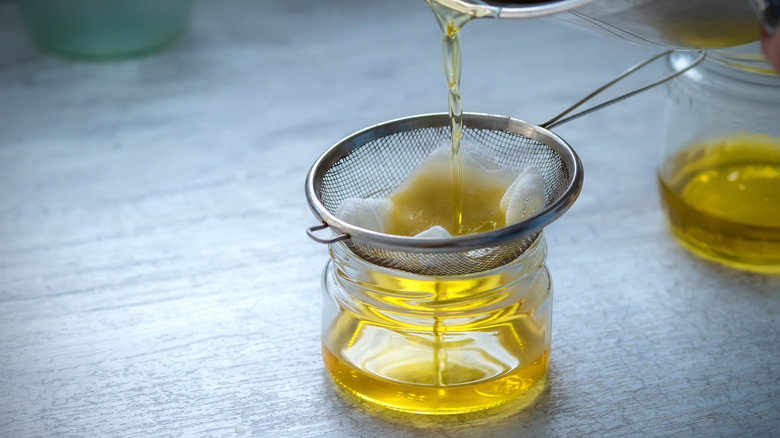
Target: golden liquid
(432, 399)
(712, 34)
(425, 203)
(723, 201)
(451, 22)
(455, 353)
(438, 346)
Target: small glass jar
(436, 345)
(719, 173)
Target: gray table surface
(155, 278)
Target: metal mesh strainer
(373, 162)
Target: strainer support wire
(560, 120)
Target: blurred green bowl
(104, 29)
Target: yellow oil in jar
(421, 345)
(430, 399)
(710, 34)
(722, 200)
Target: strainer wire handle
(310, 232)
(559, 119)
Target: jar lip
(742, 63)
(422, 300)
(539, 244)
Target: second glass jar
(719, 174)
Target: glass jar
(719, 173)
(436, 345)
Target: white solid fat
(525, 197)
(435, 232)
(370, 214)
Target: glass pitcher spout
(674, 24)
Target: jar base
(731, 261)
(435, 400)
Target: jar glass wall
(436, 345)
(719, 173)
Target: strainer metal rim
(392, 242)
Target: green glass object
(104, 29)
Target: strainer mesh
(375, 168)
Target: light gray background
(155, 278)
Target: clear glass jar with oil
(719, 174)
(436, 345)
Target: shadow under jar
(719, 174)
(436, 344)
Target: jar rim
(742, 63)
(534, 255)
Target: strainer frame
(362, 236)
